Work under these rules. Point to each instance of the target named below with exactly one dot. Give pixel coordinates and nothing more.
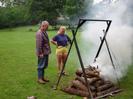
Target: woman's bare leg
(59, 62)
(64, 56)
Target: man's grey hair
(44, 22)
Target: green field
(18, 64)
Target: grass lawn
(18, 64)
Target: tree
(15, 15)
(12, 3)
(45, 10)
(23, 12)
(76, 8)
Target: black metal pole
(94, 20)
(109, 52)
(81, 63)
(108, 25)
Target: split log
(31, 97)
(81, 79)
(79, 85)
(78, 92)
(99, 83)
(85, 98)
(91, 72)
(92, 88)
(111, 89)
(104, 87)
(94, 69)
(92, 80)
(79, 72)
(89, 80)
(91, 68)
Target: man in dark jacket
(42, 50)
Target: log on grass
(92, 74)
(89, 80)
(79, 72)
(109, 90)
(104, 87)
(92, 80)
(78, 92)
(99, 83)
(81, 79)
(79, 85)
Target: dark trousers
(42, 64)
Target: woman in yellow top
(61, 40)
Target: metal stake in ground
(107, 45)
(82, 66)
(108, 25)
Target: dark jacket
(42, 43)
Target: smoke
(119, 37)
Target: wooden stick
(109, 94)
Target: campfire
(88, 81)
(99, 87)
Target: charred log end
(74, 91)
(104, 87)
(79, 72)
(109, 92)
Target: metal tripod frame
(74, 32)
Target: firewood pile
(99, 87)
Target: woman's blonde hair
(63, 27)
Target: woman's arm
(54, 42)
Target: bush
(14, 16)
